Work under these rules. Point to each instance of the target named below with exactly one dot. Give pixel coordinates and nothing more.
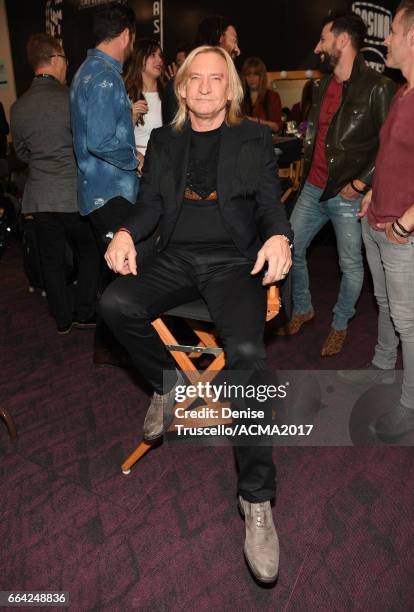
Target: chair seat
(192, 310)
(288, 149)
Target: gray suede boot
(160, 413)
(261, 547)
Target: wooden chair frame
(8, 419)
(185, 356)
(293, 172)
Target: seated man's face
(206, 89)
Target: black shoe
(395, 424)
(64, 329)
(85, 323)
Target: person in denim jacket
(103, 139)
(103, 135)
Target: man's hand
(171, 70)
(140, 166)
(276, 252)
(349, 193)
(390, 234)
(366, 201)
(120, 254)
(407, 219)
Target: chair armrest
(273, 302)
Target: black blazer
(247, 186)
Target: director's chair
(197, 316)
(290, 164)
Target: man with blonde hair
(210, 183)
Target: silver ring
(285, 273)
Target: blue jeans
(308, 217)
(392, 269)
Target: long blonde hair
(235, 89)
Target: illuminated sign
(378, 21)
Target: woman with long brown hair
(260, 104)
(144, 84)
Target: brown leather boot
(295, 323)
(334, 342)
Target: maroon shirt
(318, 174)
(270, 109)
(393, 184)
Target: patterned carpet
(168, 536)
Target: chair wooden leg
(8, 419)
(142, 448)
(194, 376)
(286, 194)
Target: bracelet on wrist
(355, 188)
(402, 228)
(123, 229)
(397, 232)
(287, 240)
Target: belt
(189, 194)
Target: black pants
(237, 304)
(53, 229)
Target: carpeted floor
(168, 536)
